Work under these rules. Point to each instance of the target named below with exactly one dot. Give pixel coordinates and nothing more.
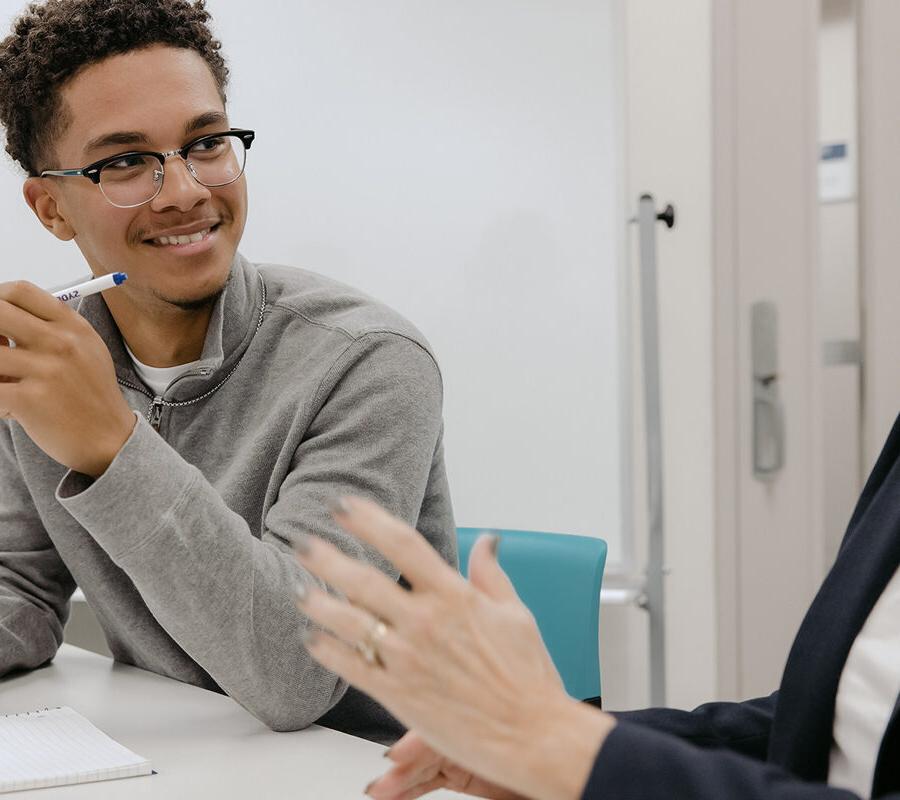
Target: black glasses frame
(92, 171)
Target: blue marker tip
(120, 278)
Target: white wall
(460, 161)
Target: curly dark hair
(52, 41)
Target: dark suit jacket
(775, 747)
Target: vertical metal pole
(655, 604)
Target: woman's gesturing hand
(462, 663)
(418, 770)
(4, 342)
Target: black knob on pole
(667, 216)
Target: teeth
(192, 239)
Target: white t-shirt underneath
(867, 694)
(158, 379)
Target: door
(765, 220)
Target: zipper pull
(153, 416)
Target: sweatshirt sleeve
(35, 585)
(639, 763)
(741, 727)
(227, 597)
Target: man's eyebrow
(119, 137)
(130, 138)
(205, 120)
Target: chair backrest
(558, 577)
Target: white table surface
(202, 744)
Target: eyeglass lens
(136, 179)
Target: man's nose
(180, 189)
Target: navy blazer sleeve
(639, 763)
(741, 727)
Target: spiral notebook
(57, 747)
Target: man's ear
(44, 204)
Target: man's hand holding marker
(58, 382)
(95, 286)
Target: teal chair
(558, 577)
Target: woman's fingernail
(309, 637)
(340, 506)
(387, 753)
(369, 787)
(300, 591)
(301, 546)
(494, 544)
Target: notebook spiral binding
(30, 713)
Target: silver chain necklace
(154, 413)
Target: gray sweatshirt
(306, 390)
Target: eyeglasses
(132, 179)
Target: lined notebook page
(58, 746)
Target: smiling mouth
(183, 240)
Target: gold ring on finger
(368, 647)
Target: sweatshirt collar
(233, 323)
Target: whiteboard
(462, 162)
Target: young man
(164, 444)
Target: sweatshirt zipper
(154, 413)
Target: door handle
(768, 412)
